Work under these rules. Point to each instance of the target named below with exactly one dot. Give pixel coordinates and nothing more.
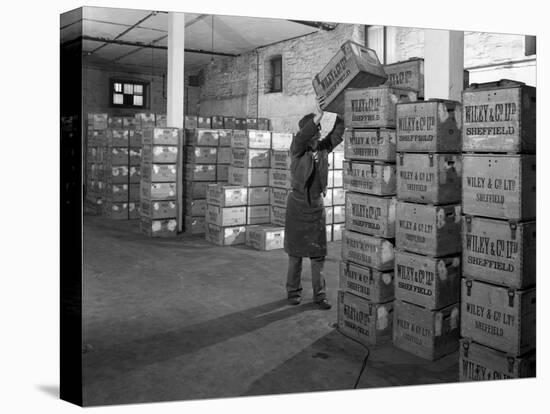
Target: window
(530, 45)
(276, 74)
(128, 93)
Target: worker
(305, 223)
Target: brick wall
(240, 86)
(96, 95)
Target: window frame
(272, 62)
(124, 81)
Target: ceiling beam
(150, 46)
(153, 13)
(318, 25)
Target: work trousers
(294, 282)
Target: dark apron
(305, 226)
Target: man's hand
(319, 105)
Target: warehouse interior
(181, 318)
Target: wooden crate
(226, 216)
(369, 144)
(280, 160)
(159, 209)
(281, 141)
(427, 229)
(116, 137)
(374, 107)
(367, 250)
(224, 155)
(96, 138)
(158, 173)
(135, 155)
(116, 192)
(429, 126)
(371, 214)
(366, 282)
(157, 191)
(204, 122)
(263, 124)
(499, 117)
(217, 122)
(427, 281)
(367, 322)
(499, 252)
(224, 137)
(195, 190)
(130, 122)
(229, 122)
(225, 236)
(195, 225)
(338, 196)
(116, 156)
(426, 333)
(499, 317)
(159, 228)
(279, 178)
(278, 216)
(338, 214)
(222, 173)
(500, 186)
(161, 136)
(134, 191)
(337, 229)
(240, 124)
(118, 174)
(98, 121)
(160, 154)
(251, 123)
(250, 158)
(134, 210)
(410, 74)
(369, 177)
(258, 196)
(134, 174)
(160, 120)
(115, 211)
(146, 120)
(407, 74)
(135, 138)
(278, 196)
(200, 172)
(481, 363)
(202, 137)
(265, 238)
(258, 214)
(201, 155)
(248, 177)
(429, 178)
(195, 208)
(252, 139)
(190, 122)
(353, 66)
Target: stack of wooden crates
(499, 246)
(365, 301)
(428, 226)
(159, 176)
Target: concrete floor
(178, 319)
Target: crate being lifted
(353, 66)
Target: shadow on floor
(51, 390)
(105, 363)
(313, 369)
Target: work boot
(324, 304)
(295, 300)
